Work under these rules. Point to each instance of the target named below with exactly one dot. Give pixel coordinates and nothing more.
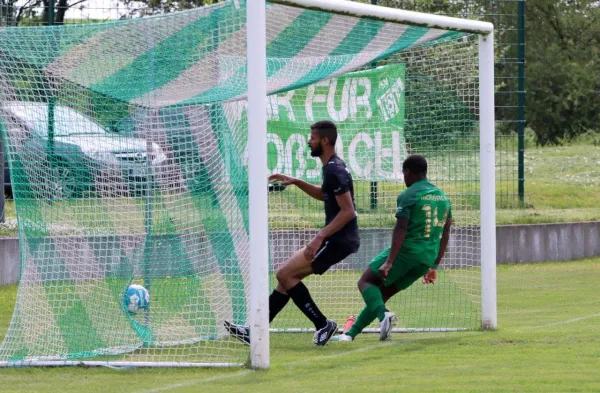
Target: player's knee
(282, 275)
(365, 280)
(362, 284)
(279, 275)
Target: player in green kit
(419, 240)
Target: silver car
(85, 155)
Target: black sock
(277, 302)
(302, 299)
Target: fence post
(521, 99)
(373, 190)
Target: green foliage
(588, 138)
(436, 117)
(36, 12)
(474, 9)
(437, 114)
(155, 7)
(563, 63)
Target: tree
(28, 13)
(503, 14)
(137, 8)
(472, 9)
(37, 12)
(562, 54)
(563, 68)
(11, 12)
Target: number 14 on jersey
(432, 220)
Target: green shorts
(404, 271)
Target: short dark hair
(326, 128)
(416, 163)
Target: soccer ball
(135, 298)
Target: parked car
(185, 134)
(183, 153)
(84, 151)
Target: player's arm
(344, 216)
(338, 180)
(398, 237)
(431, 275)
(444, 241)
(404, 206)
(310, 189)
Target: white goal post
(140, 150)
(257, 125)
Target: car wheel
(66, 181)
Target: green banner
(368, 108)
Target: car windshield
(66, 120)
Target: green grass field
(562, 185)
(548, 341)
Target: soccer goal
(139, 152)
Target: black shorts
(330, 253)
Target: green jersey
(427, 209)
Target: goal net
(127, 144)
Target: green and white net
(127, 150)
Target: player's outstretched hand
(430, 277)
(284, 179)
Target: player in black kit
(338, 239)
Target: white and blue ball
(136, 298)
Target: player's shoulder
(437, 190)
(416, 189)
(434, 188)
(335, 161)
(408, 191)
(409, 195)
(433, 192)
(336, 165)
(424, 191)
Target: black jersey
(337, 180)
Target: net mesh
(127, 149)
(423, 100)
